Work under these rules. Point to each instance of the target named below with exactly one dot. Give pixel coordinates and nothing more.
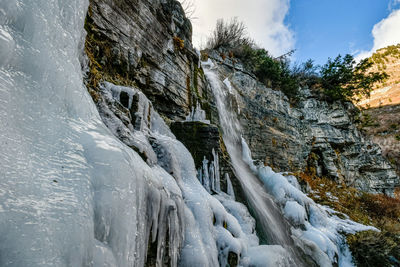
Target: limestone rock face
(146, 43)
(311, 134)
(339, 150)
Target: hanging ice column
(229, 187)
(197, 114)
(209, 174)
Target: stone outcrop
(382, 125)
(311, 134)
(146, 44)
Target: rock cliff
(146, 44)
(103, 180)
(312, 134)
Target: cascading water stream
(270, 221)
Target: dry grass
(178, 43)
(368, 248)
(374, 209)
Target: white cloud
(385, 33)
(264, 20)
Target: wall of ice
(71, 194)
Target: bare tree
(189, 7)
(229, 35)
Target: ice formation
(71, 194)
(322, 225)
(316, 229)
(197, 114)
(209, 174)
(215, 225)
(229, 187)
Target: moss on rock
(372, 248)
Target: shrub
(273, 72)
(229, 35)
(381, 205)
(178, 43)
(189, 8)
(306, 73)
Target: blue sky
(317, 29)
(325, 28)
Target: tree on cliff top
(339, 79)
(344, 79)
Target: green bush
(273, 72)
(343, 79)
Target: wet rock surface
(198, 137)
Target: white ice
(197, 114)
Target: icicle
(199, 55)
(217, 172)
(229, 187)
(200, 175)
(206, 177)
(211, 173)
(197, 114)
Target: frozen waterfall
(71, 193)
(284, 214)
(109, 185)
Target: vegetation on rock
(368, 248)
(339, 79)
(344, 79)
